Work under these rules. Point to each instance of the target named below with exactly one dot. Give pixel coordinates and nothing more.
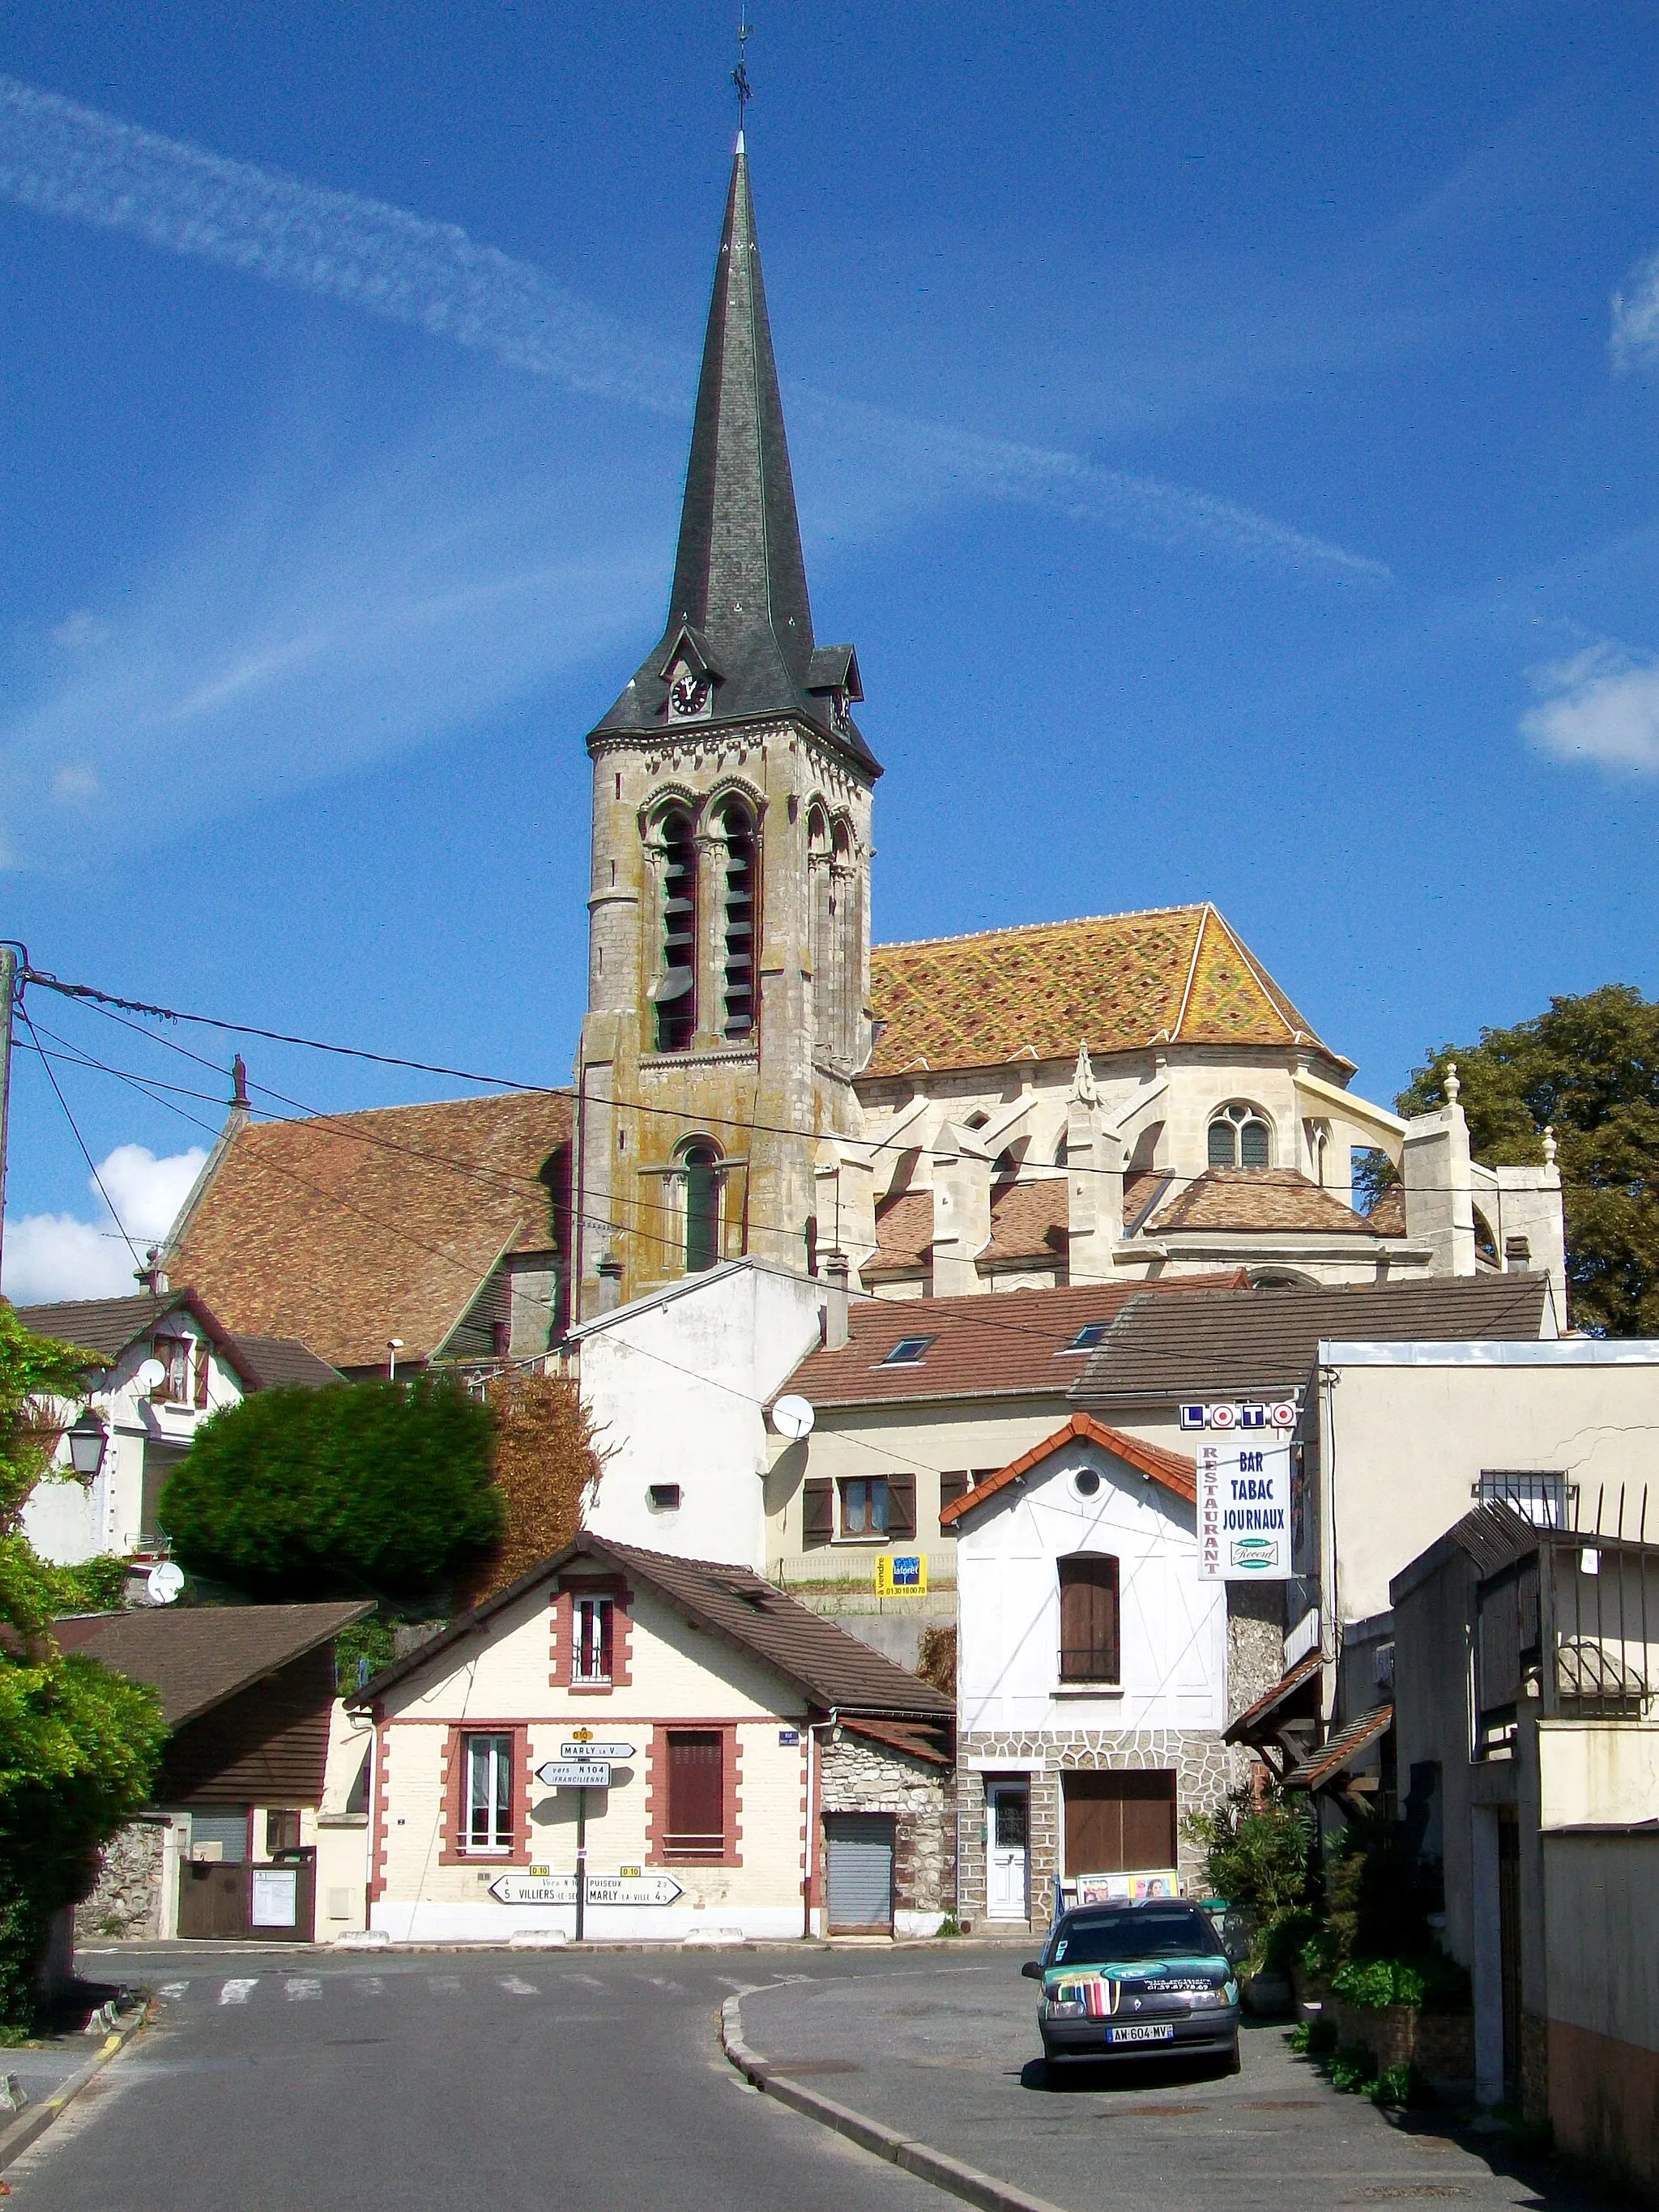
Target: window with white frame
(487, 1804)
(590, 1622)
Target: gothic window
(674, 994)
(740, 919)
(1239, 1137)
(702, 1207)
(821, 915)
(844, 907)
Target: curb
(920, 2158)
(33, 2123)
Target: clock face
(687, 694)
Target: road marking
(444, 1985)
(514, 1987)
(740, 1989)
(662, 1982)
(587, 1981)
(170, 1992)
(369, 1985)
(236, 1992)
(301, 1991)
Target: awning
(1325, 1767)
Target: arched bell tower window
(1239, 1138)
(674, 994)
(702, 1207)
(844, 910)
(820, 909)
(739, 919)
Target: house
(1084, 1101)
(405, 1235)
(1525, 1663)
(765, 1775)
(1092, 1678)
(245, 1840)
(167, 1363)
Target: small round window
(1085, 1482)
(1239, 1137)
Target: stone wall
(1205, 1769)
(127, 1900)
(859, 1775)
(1256, 1642)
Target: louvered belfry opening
(675, 993)
(1088, 1617)
(702, 1208)
(740, 920)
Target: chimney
(835, 1311)
(152, 1276)
(608, 1296)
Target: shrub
(1315, 2039)
(544, 1456)
(374, 1487)
(1429, 1982)
(1352, 2066)
(1255, 1855)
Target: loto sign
(1240, 1414)
(1244, 1511)
(602, 1889)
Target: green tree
(1588, 1068)
(374, 1488)
(79, 1745)
(1256, 1852)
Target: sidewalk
(947, 2054)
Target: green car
(1122, 1981)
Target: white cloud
(1600, 706)
(49, 1257)
(1634, 342)
(77, 631)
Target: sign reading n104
(1240, 1414)
(1244, 1511)
(574, 1774)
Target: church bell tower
(728, 979)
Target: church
(1100, 1100)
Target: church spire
(739, 644)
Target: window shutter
(607, 1612)
(696, 1793)
(1088, 1618)
(902, 1505)
(818, 1510)
(951, 1486)
(201, 1373)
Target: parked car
(1136, 1980)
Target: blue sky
(1230, 441)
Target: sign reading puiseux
(1244, 1511)
(602, 1889)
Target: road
(481, 2083)
(492, 2082)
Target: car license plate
(1151, 2033)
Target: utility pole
(7, 986)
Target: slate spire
(738, 614)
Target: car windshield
(1179, 1933)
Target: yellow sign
(902, 1575)
(581, 1735)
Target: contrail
(66, 159)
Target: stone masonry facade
(861, 1775)
(1205, 1769)
(127, 1899)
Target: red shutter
(817, 1510)
(696, 1793)
(607, 1635)
(902, 1505)
(951, 1486)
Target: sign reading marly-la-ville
(1243, 1511)
(602, 1889)
(586, 1748)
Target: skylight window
(1092, 1333)
(908, 1351)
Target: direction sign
(602, 1889)
(574, 1774)
(590, 1750)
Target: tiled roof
(198, 1655)
(1243, 1726)
(905, 1235)
(1332, 1759)
(1118, 982)
(349, 1229)
(920, 1739)
(1231, 1344)
(1028, 1222)
(108, 1326)
(280, 1362)
(832, 1668)
(1170, 1469)
(1014, 1343)
(1261, 1199)
(1387, 1217)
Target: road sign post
(581, 1861)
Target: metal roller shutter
(859, 1866)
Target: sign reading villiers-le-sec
(1244, 1511)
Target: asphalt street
(481, 2083)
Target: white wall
(1173, 1628)
(675, 1384)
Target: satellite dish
(165, 1581)
(151, 1375)
(793, 1417)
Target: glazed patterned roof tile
(1119, 983)
(1258, 1199)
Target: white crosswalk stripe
(170, 1992)
(369, 1985)
(301, 1991)
(444, 1985)
(587, 1981)
(237, 1992)
(515, 1987)
(662, 1982)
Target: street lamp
(394, 1344)
(87, 1440)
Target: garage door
(859, 1863)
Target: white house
(1093, 1674)
(147, 1421)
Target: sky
(1228, 437)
